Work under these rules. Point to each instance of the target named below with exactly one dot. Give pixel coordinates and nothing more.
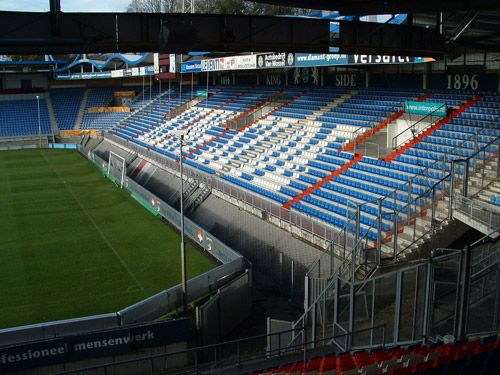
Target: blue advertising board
(191, 67)
(92, 345)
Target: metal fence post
(466, 179)
(427, 302)
(464, 292)
(395, 234)
(356, 240)
(379, 232)
(498, 162)
(410, 189)
(351, 316)
(452, 185)
(415, 220)
(332, 254)
(433, 210)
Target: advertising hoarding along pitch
(92, 345)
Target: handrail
(413, 126)
(486, 238)
(303, 346)
(412, 202)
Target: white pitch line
(96, 227)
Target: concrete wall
(14, 81)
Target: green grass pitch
(73, 244)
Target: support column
(356, 240)
(410, 189)
(452, 183)
(465, 263)
(466, 179)
(379, 232)
(433, 214)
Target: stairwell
(373, 135)
(284, 104)
(431, 129)
(332, 104)
(81, 112)
(369, 134)
(139, 109)
(423, 231)
(205, 114)
(53, 119)
(249, 116)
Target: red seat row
(399, 361)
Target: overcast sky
(66, 5)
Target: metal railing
(233, 354)
(312, 229)
(415, 302)
(402, 206)
(421, 195)
(413, 130)
(479, 211)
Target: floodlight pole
(39, 124)
(183, 245)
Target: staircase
(81, 112)
(281, 105)
(476, 209)
(257, 111)
(53, 119)
(201, 194)
(369, 134)
(332, 104)
(472, 210)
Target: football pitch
(74, 244)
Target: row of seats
(67, 103)
(20, 118)
(475, 357)
(495, 199)
(279, 156)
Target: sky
(66, 5)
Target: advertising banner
(191, 67)
(383, 59)
(87, 75)
(99, 344)
(212, 65)
(275, 60)
(132, 72)
(156, 62)
(290, 60)
(234, 62)
(319, 59)
(172, 61)
(425, 108)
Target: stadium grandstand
(318, 192)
